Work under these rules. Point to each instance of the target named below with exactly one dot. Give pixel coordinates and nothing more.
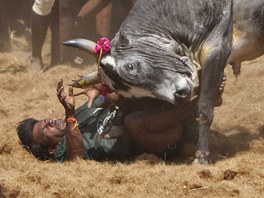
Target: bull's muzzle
(182, 93)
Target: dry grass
(236, 142)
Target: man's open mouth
(61, 124)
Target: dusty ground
(236, 142)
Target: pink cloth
(103, 44)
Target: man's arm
(93, 91)
(74, 140)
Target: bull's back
(188, 21)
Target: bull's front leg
(214, 58)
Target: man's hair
(25, 134)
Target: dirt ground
(236, 143)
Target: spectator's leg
(39, 27)
(40, 19)
(4, 30)
(55, 32)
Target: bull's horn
(82, 44)
(124, 42)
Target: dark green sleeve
(61, 152)
(86, 117)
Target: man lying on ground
(74, 136)
(80, 133)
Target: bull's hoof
(201, 157)
(200, 161)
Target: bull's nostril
(182, 93)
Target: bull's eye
(130, 67)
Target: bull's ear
(123, 40)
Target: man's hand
(67, 100)
(91, 92)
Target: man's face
(49, 131)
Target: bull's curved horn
(82, 44)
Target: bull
(174, 51)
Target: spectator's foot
(36, 65)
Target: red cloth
(105, 90)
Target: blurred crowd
(66, 19)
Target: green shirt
(96, 147)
